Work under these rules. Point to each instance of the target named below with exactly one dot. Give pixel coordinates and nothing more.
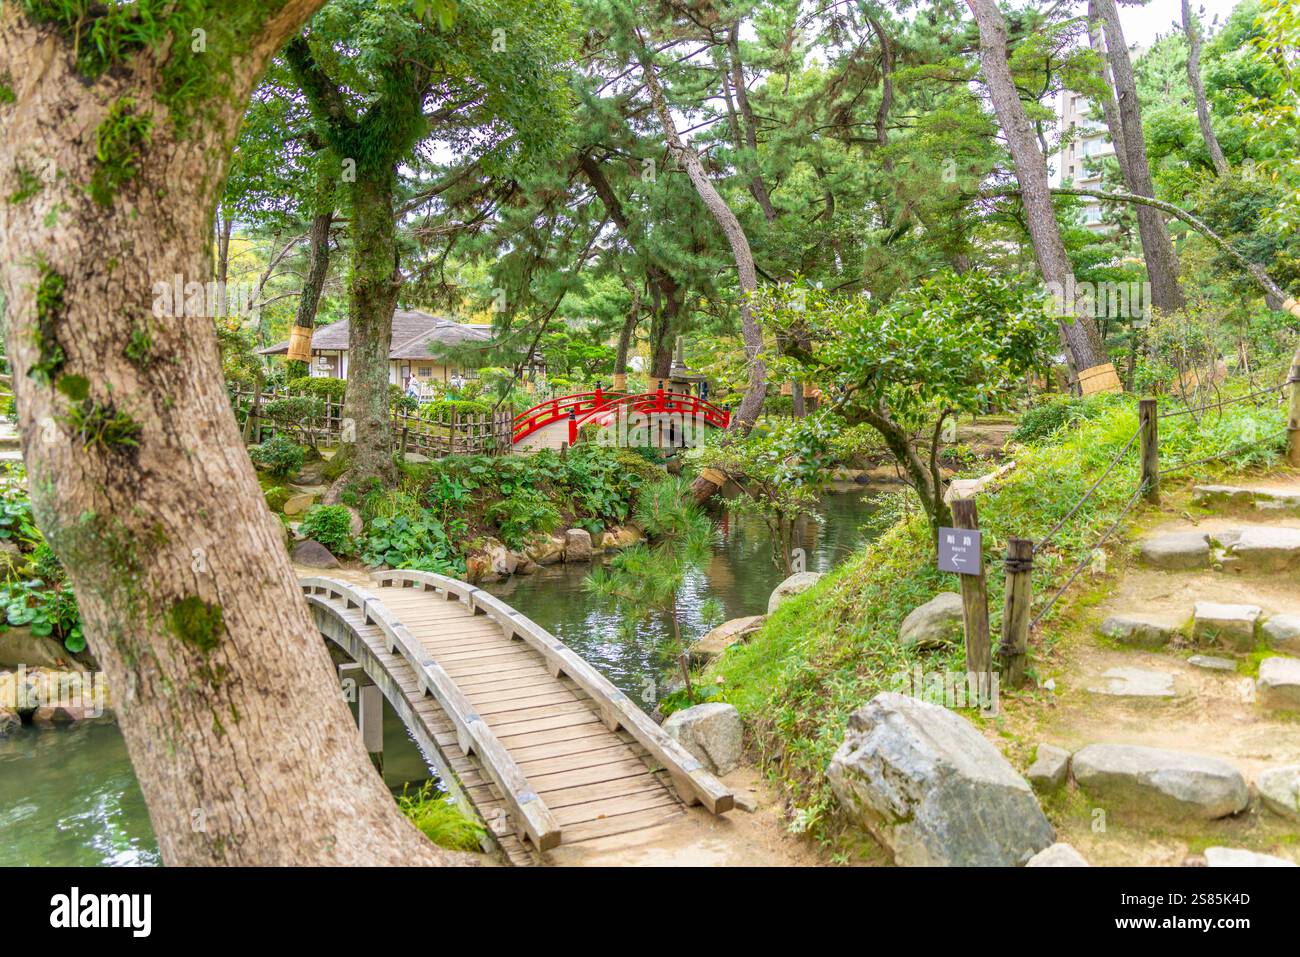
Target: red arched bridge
(662, 417)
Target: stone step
(1232, 627)
(1237, 495)
(1127, 682)
(1278, 687)
(1247, 548)
(1158, 782)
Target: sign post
(960, 551)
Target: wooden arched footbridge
(523, 732)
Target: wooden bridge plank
(604, 810)
(621, 824)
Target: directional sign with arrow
(959, 551)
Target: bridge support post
(370, 716)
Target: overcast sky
(1143, 24)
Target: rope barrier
(1087, 495)
(1088, 559)
(1220, 404)
(1244, 446)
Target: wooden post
(1293, 415)
(1149, 422)
(975, 606)
(1015, 611)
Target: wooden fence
(448, 432)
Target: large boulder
(299, 504)
(18, 646)
(712, 732)
(577, 545)
(1278, 686)
(1155, 781)
(1177, 551)
(723, 637)
(796, 583)
(546, 549)
(620, 537)
(932, 790)
(1279, 790)
(1240, 857)
(936, 623)
(1058, 855)
(313, 554)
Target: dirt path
(1210, 713)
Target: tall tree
(378, 83)
(1157, 249)
(1078, 331)
(1192, 30)
(226, 696)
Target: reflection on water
(740, 577)
(69, 797)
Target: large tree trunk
(318, 267)
(375, 284)
(226, 696)
(1157, 250)
(1079, 332)
(1193, 34)
(1109, 105)
(752, 402)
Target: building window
(424, 372)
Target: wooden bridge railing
(531, 815)
(695, 785)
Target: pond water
(69, 797)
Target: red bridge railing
(607, 408)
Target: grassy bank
(826, 652)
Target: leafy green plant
(331, 525)
(280, 455)
(523, 514)
(440, 820)
(421, 543)
(48, 611)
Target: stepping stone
(1136, 683)
(1137, 631)
(1282, 631)
(1229, 626)
(1058, 855)
(1210, 663)
(1240, 857)
(1278, 686)
(1050, 768)
(1269, 501)
(1222, 494)
(1279, 790)
(1158, 782)
(1177, 551)
(1261, 548)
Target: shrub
(1055, 412)
(277, 496)
(443, 408)
(280, 455)
(421, 543)
(440, 820)
(321, 386)
(523, 514)
(48, 611)
(331, 525)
